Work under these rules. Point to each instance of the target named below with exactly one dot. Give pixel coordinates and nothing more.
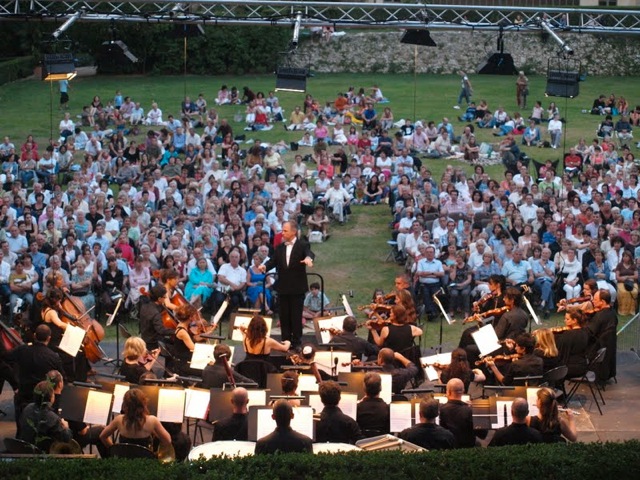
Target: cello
(74, 310)
(10, 337)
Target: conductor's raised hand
(308, 261)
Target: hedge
(15, 69)
(584, 461)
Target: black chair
(554, 379)
(590, 379)
(256, 370)
(13, 445)
(130, 450)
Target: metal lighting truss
(336, 14)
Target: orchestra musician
(572, 343)
(459, 368)
(583, 303)
(515, 321)
(546, 349)
(235, 426)
(528, 364)
(75, 369)
(387, 359)
(215, 375)
(289, 384)
(397, 335)
(170, 278)
(358, 346)
(135, 425)
(132, 368)
(257, 344)
(602, 333)
(457, 416)
(372, 413)
(552, 427)
(151, 327)
(493, 301)
(184, 340)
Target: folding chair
(590, 379)
(554, 379)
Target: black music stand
(113, 318)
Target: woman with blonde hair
(135, 349)
(546, 349)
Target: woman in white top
(339, 137)
(298, 167)
(571, 270)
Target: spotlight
(296, 31)
(65, 26)
(58, 66)
(418, 36)
(547, 28)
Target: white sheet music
(72, 340)
(202, 355)
(257, 397)
(327, 323)
(429, 370)
(243, 321)
(220, 312)
(399, 416)
(504, 414)
(315, 403)
(171, 405)
(264, 423)
(347, 307)
(197, 403)
(385, 394)
(532, 400)
(118, 394)
(303, 421)
(326, 360)
(96, 411)
(486, 340)
(307, 383)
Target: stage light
(58, 66)
(65, 26)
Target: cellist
(151, 327)
(75, 368)
(169, 278)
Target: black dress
(551, 436)
(132, 371)
(400, 338)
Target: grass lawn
(354, 257)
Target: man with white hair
(338, 199)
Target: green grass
(354, 257)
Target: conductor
(291, 259)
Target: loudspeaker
(114, 56)
(291, 79)
(498, 64)
(562, 83)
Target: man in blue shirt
(517, 271)
(430, 273)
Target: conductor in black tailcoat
(291, 259)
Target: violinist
(495, 301)
(184, 340)
(358, 346)
(546, 348)
(137, 360)
(528, 364)
(151, 327)
(572, 343)
(515, 321)
(256, 342)
(397, 335)
(52, 312)
(583, 303)
(602, 333)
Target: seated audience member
(518, 433)
(457, 416)
(373, 412)
(427, 434)
(335, 426)
(283, 439)
(234, 427)
(553, 428)
(314, 302)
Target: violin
(505, 358)
(333, 331)
(560, 329)
(437, 365)
(564, 303)
(479, 303)
(477, 317)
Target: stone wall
(380, 51)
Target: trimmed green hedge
(15, 69)
(584, 461)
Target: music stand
(444, 316)
(116, 362)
